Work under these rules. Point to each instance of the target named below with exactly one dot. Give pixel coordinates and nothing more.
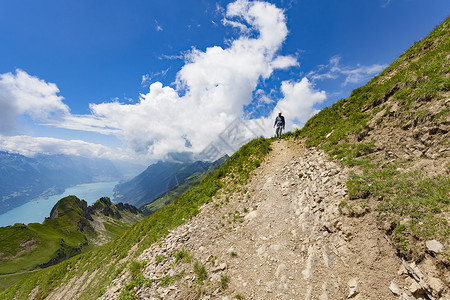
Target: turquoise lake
(36, 211)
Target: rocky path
(281, 237)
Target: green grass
(224, 281)
(182, 255)
(424, 201)
(200, 272)
(128, 292)
(115, 228)
(8, 280)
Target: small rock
(416, 289)
(402, 270)
(434, 246)
(324, 296)
(395, 289)
(252, 215)
(354, 288)
(281, 268)
(221, 267)
(436, 285)
(407, 296)
(327, 226)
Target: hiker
(279, 122)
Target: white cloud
(171, 57)
(386, 3)
(147, 78)
(352, 74)
(29, 146)
(158, 27)
(22, 94)
(211, 89)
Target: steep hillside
(396, 130)
(73, 227)
(155, 181)
(280, 236)
(181, 187)
(354, 205)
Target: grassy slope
(416, 205)
(53, 240)
(46, 240)
(171, 195)
(108, 260)
(176, 192)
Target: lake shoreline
(37, 210)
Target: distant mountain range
(160, 178)
(23, 179)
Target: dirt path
(283, 237)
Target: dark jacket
(279, 121)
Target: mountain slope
(181, 187)
(280, 236)
(284, 225)
(396, 130)
(73, 227)
(156, 180)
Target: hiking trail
(283, 237)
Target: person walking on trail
(279, 122)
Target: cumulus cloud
(210, 91)
(352, 74)
(23, 94)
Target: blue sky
(150, 80)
